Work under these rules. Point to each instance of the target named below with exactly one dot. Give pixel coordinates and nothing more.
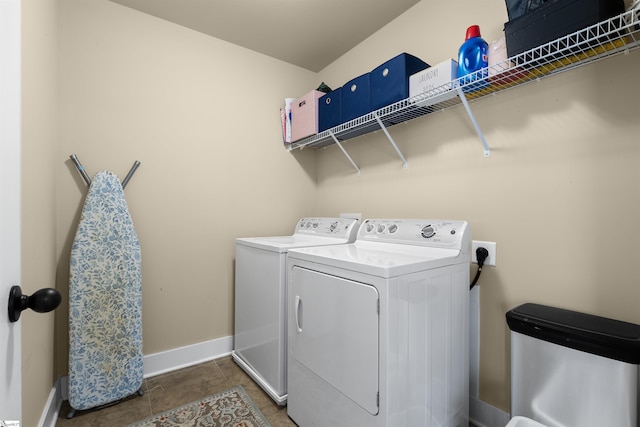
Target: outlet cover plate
(489, 246)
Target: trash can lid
(597, 335)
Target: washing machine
(260, 339)
(379, 328)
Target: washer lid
(384, 260)
(282, 244)
(317, 231)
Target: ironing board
(105, 300)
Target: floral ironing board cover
(105, 300)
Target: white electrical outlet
(489, 246)
(351, 215)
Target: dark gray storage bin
(555, 19)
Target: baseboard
(154, 364)
(183, 357)
(482, 414)
(52, 407)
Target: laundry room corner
(160, 93)
(561, 162)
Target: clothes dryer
(260, 338)
(379, 328)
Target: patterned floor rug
(229, 408)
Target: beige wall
(559, 193)
(202, 117)
(39, 149)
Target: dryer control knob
(369, 228)
(393, 228)
(428, 232)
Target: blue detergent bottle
(473, 56)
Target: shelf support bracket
(463, 98)
(393, 143)
(345, 152)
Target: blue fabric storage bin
(390, 81)
(330, 110)
(356, 98)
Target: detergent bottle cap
(472, 31)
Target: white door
(336, 333)
(10, 356)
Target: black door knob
(41, 301)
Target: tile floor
(177, 388)
(173, 389)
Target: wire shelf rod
(345, 152)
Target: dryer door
(336, 323)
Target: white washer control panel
(333, 227)
(416, 232)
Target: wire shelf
(614, 36)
